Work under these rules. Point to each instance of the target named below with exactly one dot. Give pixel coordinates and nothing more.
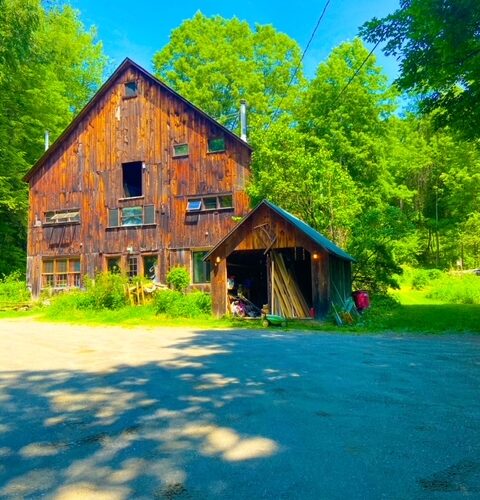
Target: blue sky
(139, 28)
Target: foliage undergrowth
(175, 304)
(178, 278)
(13, 289)
(456, 289)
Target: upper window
(132, 179)
(216, 144)
(210, 203)
(131, 89)
(131, 216)
(180, 150)
(62, 216)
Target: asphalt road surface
(110, 413)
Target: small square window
(210, 203)
(113, 265)
(131, 89)
(132, 216)
(61, 266)
(216, 144)
(194, 205)
(180, 150)
(225, 201)
(48, 266)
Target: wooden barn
(275, 259)
(140, 181)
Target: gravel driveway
(113, 413)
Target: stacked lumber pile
(287, 299)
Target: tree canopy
(215, 62)
(438, 45)
(49, 67)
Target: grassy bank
(425, 304)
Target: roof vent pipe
(243, 120)
(47, 139)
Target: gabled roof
(307, 230)
(127, 63)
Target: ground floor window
(132, 266)
(150, 263)
(201, 269)
(61, 273)
(113, 265)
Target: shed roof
(303, 227)
(102, 91)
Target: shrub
(178, 278)
(106, 291)
(175, 304)
(13, 289)
(464, 289)
(425, 277)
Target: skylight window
(194, 205)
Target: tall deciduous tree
(438, 45)
(296, 171)
(216, 62)
(49, 66)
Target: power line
(294, 74)
(355, 74)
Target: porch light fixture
(218, 259)
(315, 255)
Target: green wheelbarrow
(273, 319)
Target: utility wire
(354, 74)
(312, 36)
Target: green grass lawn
(413, 313)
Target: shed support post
(219, 288)
(320, 285)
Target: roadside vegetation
(428, 301)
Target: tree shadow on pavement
(176, 428)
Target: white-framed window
(67, 216)
(209, 203)
(180, 150)
(131, 216)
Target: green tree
(49, 66)
(438, 46)
(296, 171)
(216, 62)
(350, 116)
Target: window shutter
(113, 217)
(149, 214)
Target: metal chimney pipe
(243, 120)
(47, 139)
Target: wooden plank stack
(287, 299)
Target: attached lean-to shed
(276, 259)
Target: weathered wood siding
(250, 236)
(85, 172)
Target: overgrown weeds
(13, 289)
(175, 304)
(456, 289)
